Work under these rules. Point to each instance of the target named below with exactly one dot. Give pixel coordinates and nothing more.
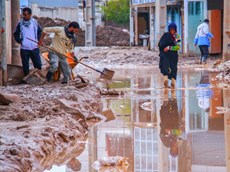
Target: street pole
(90, 26)
(15, 17)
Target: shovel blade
(107, 74)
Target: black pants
(204, 53)
(35, 57)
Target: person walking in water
(202, 40)
(169, 45)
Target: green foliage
(117, 11)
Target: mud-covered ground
(130, 56)
(52, 120)
(49, 123)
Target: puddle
(157, 129)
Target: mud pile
(111, 36)
(36, 132)
(105, 36)
(120, 55)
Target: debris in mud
(224, 69)
(222, 110)
(106, 92)
(6, 99)
(36, 77)
(110, 161)
(216, 63)
(108, 114)
(74, 164)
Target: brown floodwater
(159, 130)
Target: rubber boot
(49, 76)
(166, 81)
(173, 84)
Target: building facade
(153, 16)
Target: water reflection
(171, 126)
(162, 130)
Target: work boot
(65, 81)
(166, 81)
(49, 76)
(173, 84)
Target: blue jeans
(35, 57)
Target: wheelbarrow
(71, 62)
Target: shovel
(105, 74)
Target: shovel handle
(92, 68)
(67, 57)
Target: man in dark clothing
(28, 27)
(169, 45)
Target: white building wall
(69, 14)
(66, 13)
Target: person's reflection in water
(171, 128)
(204, 92)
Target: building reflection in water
(168, 130)
(163, 130)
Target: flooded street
(157, 129)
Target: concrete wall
(8, 31)
(226, 31)
(66, 13)
(55, 3)
(69, 14)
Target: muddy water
(160, 129)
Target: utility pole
(161, 18)
(3, 54)
(15, 17)
(90, 26)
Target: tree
(117, 11)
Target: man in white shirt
(202, 40)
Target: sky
(23, 2)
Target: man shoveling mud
(63, 42)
